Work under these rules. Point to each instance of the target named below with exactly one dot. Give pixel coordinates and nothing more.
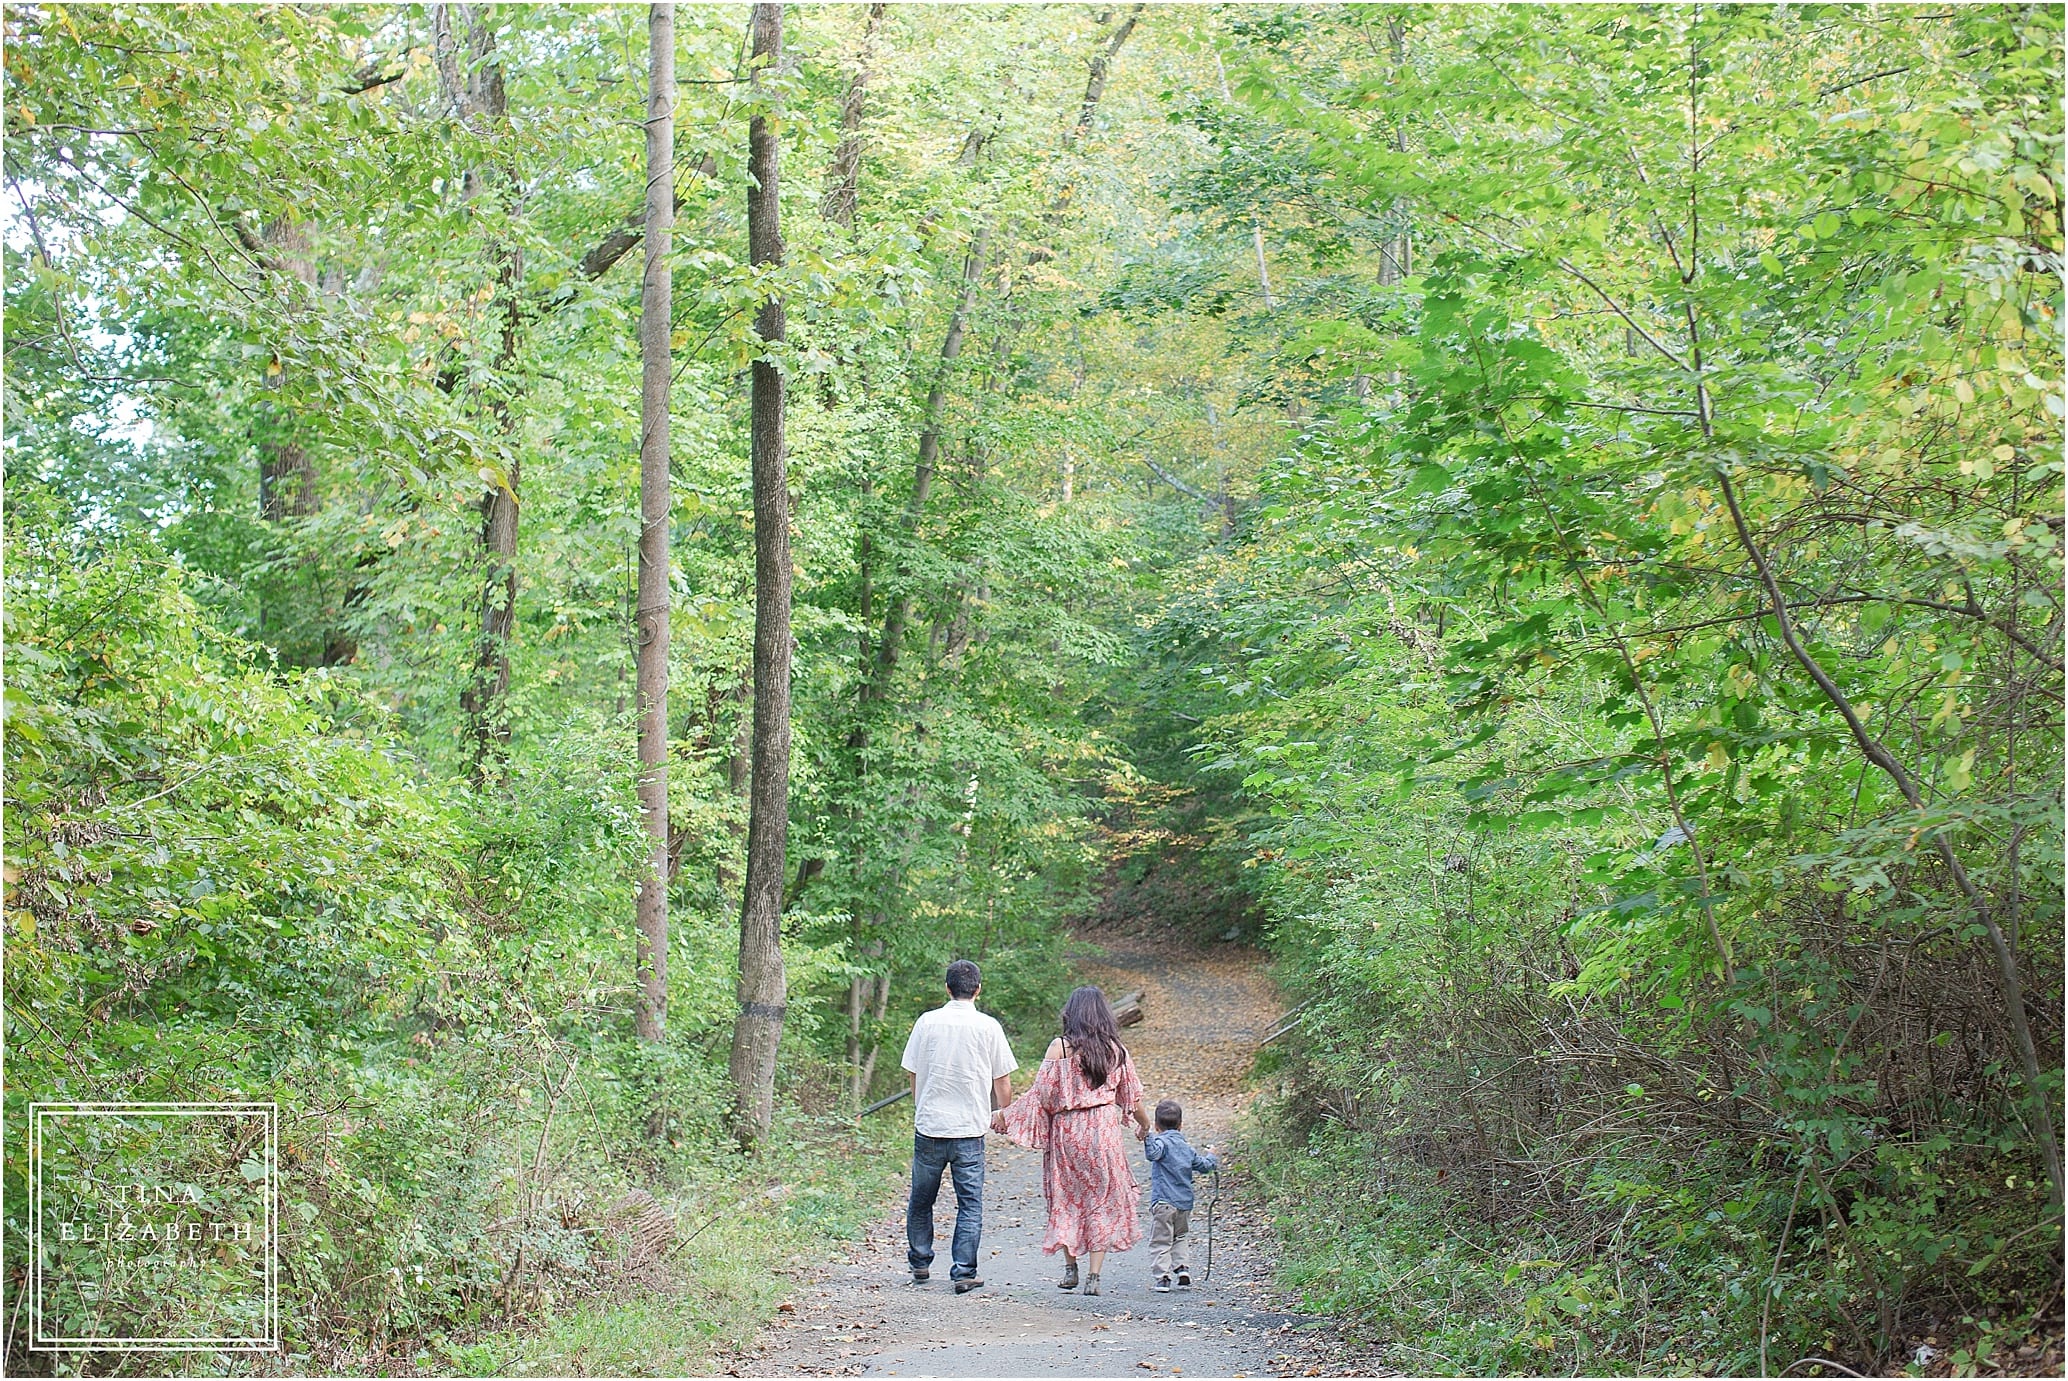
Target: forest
(562, 560)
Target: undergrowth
(747, 1226)
(1669, 1280)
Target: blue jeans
(930, 1156)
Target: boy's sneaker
(1162, 1285)
(1185, 1279)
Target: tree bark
(843, 174)
(605, 253)
(483, 699)
(474, 90)
(655, 313)
(1396, 255)
(759, 1028)
(867, 1076)
(287, 474)
(287, 470)
(1100, 68)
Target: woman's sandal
(1091, 1283)
(1069, 1280)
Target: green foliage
(236, 872)
(239, 885)
(1358, 500)
(283, 307)
(1614, 938)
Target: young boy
(1171, 1164)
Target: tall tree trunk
(1396, 254)
(854, 1040)
(287, 471)
(843, 174)
(654, 508)
(287, 474)
(473, 89)
(1100, 68)
(759, 1028)
(483, 700)
(867, 1074)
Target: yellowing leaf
(1960, 773)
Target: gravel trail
(1204, 1014)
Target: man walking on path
(961, 1070)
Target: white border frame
(39, 1342)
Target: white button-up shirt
(954, 1053)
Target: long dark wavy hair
(1092, 1035)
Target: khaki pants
(1168, 1250)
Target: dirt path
(1205, 1013)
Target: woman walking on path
(1086, 1088)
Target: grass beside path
(757, 1221)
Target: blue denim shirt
(1171, 1163)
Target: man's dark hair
(1169, 1116)
(963, 979)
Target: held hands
(998, 1121)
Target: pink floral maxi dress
(1086, 1178)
